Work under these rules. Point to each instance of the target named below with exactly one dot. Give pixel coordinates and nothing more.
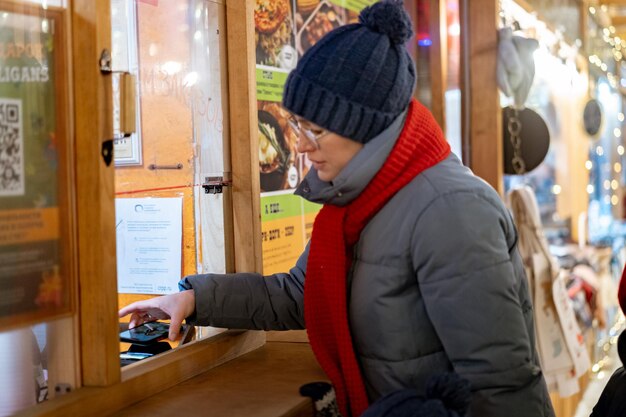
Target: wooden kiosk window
(171, 218)
(92, 330)
(187, 136)
(183, 94)
(37, 241)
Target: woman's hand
(175, 307)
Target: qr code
(11, 148)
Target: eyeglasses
(312, 134)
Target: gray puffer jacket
(436, 285)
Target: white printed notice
(149, 241)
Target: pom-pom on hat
(358, 78)
(447, 395)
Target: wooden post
(438, 28)
(91, 27)
(481, 112)
(411, 46)
(214, 211)
(244, 136)
(582, 24)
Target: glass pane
(36, 245)
(556, 98)
(18, 388)
(605, 171)
(125, 59)
(34, 275)
(167, 225)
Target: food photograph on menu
(280, 165)
(274, 34)
(314, 19)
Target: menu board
(285, 30)
(34, 283)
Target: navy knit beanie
(358, 78)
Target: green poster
(286, 223)
(32, 285)
(354, 5)
(270, 84)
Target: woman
(412, 268)
(612, 401)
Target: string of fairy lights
(613, 169)
(611, 46)
(605, 345)
(606, 53)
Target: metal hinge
(214, 185)
(127, 99)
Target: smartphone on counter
(146, 333)
(135, 356)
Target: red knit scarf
(420, 146)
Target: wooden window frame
(481, 114)
(438, 29)
(105, 387)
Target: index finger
(137, 307)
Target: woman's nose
(304, 144)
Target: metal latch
(105, 62)
(214, 185)
(127, 83)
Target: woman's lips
(317, 164)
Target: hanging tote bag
(560, 343)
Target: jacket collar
(357, 174)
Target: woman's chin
(325, 176)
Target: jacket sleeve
(249, 300)
(476, 298)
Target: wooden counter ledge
(263, 383)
